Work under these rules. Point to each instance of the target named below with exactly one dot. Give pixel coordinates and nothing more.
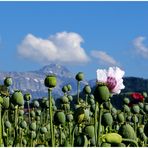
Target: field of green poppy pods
(84, 120)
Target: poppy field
(87, 119)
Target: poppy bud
(32, 126)
(43, 130)
(8, 124)
(135, 109)
(59, 117)
(126, 101)
(89, 131)
(87, 89)
(64, 99)
(17, 98)
(69, 87)
(27, 97)
(8, 81)
(6, 102)
(23, 124)
(107, 119)
(79, 76)
(101, 93)
(64, 89)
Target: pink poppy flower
(112, 78)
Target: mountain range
(33, 81)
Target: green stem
(78, 88)
(60, 134)
(28, 111)
(50, 114)
(99, 124)
(86, 98)
(73, 131)
(70, 132)
(131, 141)
(0, 124)
(95, 119)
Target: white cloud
(62, 47)
(140, 47)
(104, 58)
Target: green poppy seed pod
(54, 108)
(87, 89)
(67, 144)
(105, 144)
(1, 100)
(79, 115)
(140, 130)
(38, 118)
(126, 131)
(33, 134)
(126, 108)
(141, 105)
(32, 113)
(107, 119)
(32, 126)
(24, 142)
(69, 117)
(38, 112)
(135, 109)
(6, 102)
(7, 124)
(8, 81)
(50, 81)
(112, 138)
(101, 93)
(120, 117)
(146, 129)
(79, 76)
(91, 101)
(64, 89)
(17, 98)
(69, 87)
(70, 98)
(47, 104)
(126, 101)
(27, 97)
(107, 105)
(113, 111)
(80, 141)
(43, 130)
(67, 106)
(146, 107)
(134, 119)
(128, 118)
(64, 99)
(92, 108)
(89, 131)
(59, 117)
(36, 104)
(21, 112)
(144, 94)
(23, 124)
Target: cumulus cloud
(61, 47)
(140, 47)
(104, 58)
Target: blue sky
(84, 36)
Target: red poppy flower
(137, 96)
